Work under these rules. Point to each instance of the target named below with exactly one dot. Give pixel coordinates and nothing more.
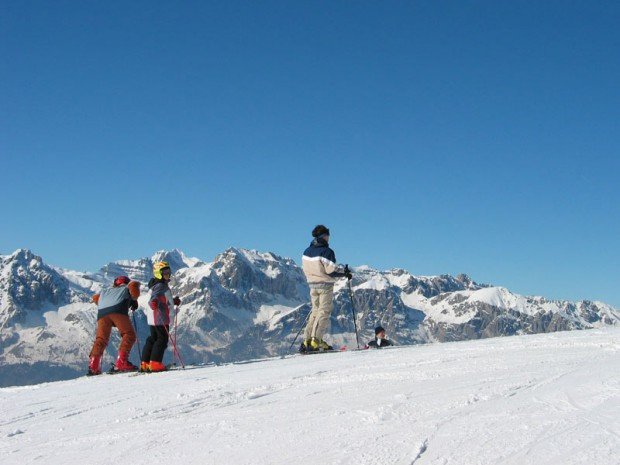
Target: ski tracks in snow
(514, 401)
(421, 451)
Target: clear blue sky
(440, 137)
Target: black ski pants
(156, 344)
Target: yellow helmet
(158, 268)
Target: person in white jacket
(161, 303)
(321, 270)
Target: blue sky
(440, 137)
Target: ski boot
(145, 367)
(123, 364)
(156, 367)
(319, 344)
(305, 347)
(94, 367)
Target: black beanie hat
(378, 329)
(319, 231)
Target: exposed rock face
(26, 283)
(247, 304)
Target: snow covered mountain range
(246, 304)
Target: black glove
(133, 305)
(177, 301)
(347, 272)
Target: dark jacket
(116, 299)
(374, 344)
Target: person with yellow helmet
(158, 318)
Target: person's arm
(331, 268)
(134, 289)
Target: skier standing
(113, 304)
(158, 317)
(321, 270)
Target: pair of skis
(114, 371)
(331, 351)
(343, 348)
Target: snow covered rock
(248, 304)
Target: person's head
(121, 280)
(321, 232)
(161, 270)
(379, 332)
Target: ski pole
(176, 335)
(175, 349)
(135, 327)
(176, 329)
(354, 316)
(300, 330)
(174, 340)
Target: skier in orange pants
(113, 305)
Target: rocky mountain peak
(467, 282)
(142, 269)
(245, 270)
(23, 257)
(176, 258)
(29, 284)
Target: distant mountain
(246, 304)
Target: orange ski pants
(104, 328)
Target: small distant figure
(379, 341)
(113, 304)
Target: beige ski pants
(322, 306)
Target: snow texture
(537, 399)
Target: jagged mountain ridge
(247, 304)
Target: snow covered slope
(247, 304)
(549, 399)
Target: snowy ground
(543, 399)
